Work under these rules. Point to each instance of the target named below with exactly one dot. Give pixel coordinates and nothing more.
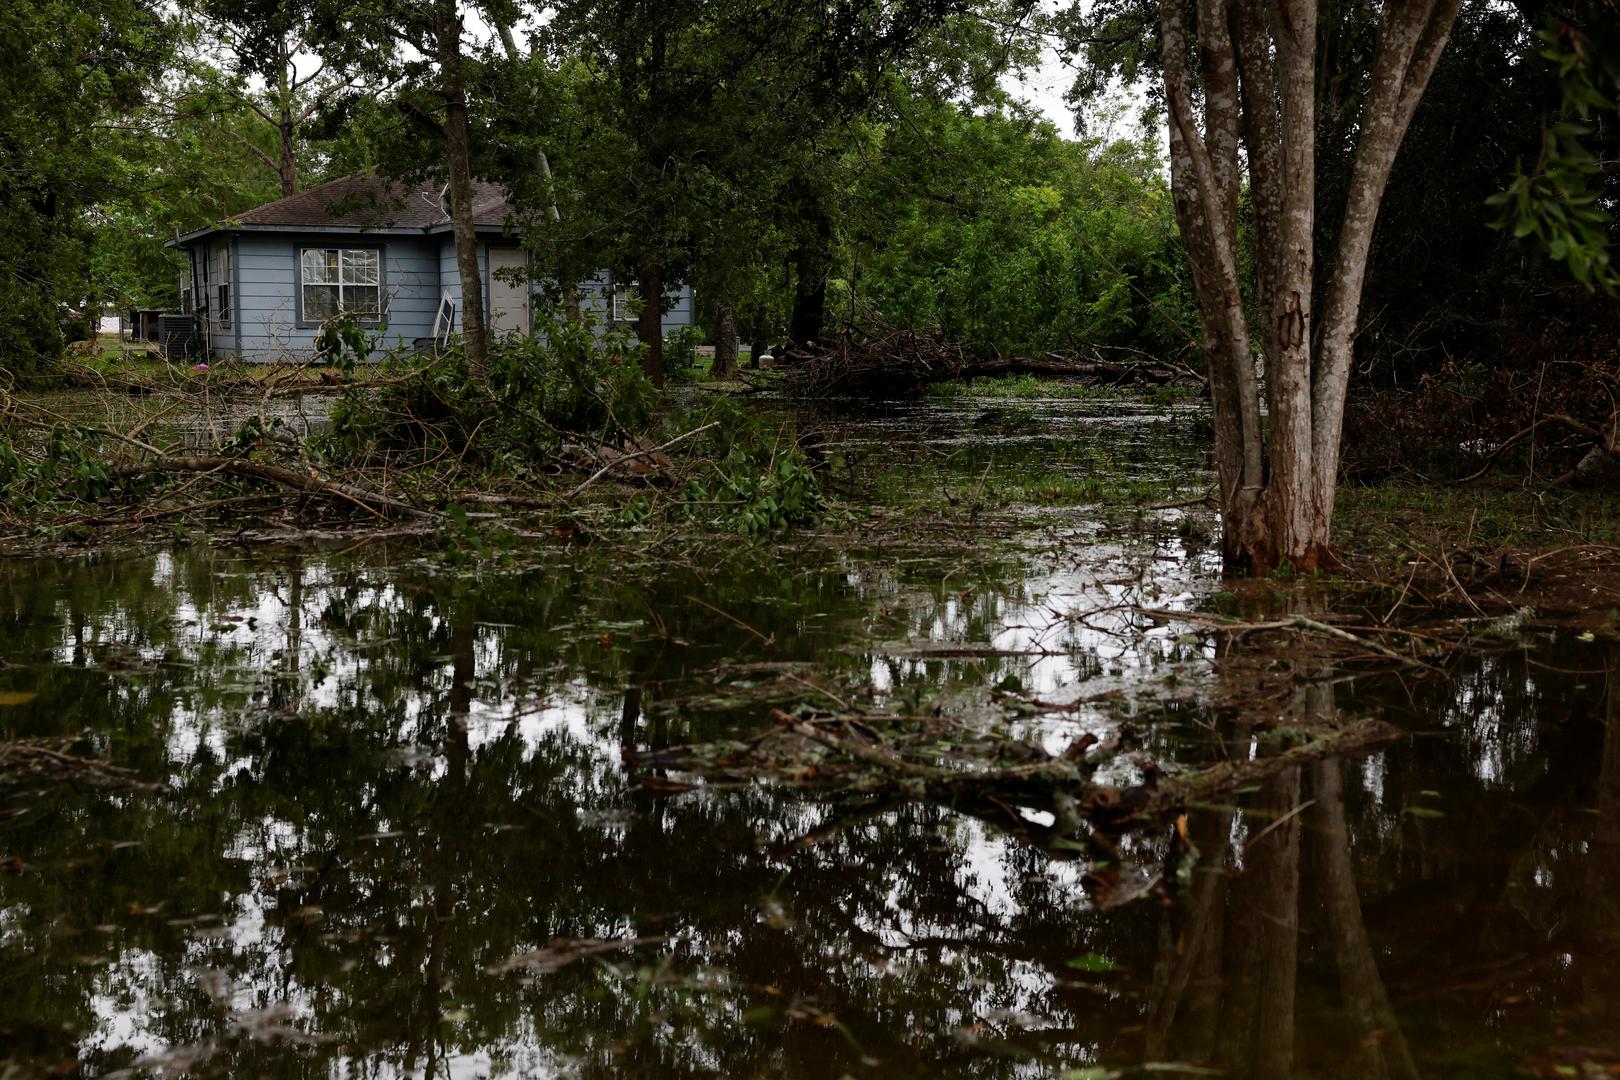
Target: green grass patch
(1477, 517)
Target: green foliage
(995, 231)
(72, 71)
(1558, 202)
(757, 481)
(68, 468)
(680, 354)
(567, 381)
(343, 342)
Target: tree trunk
(289, 164)
(287, 122)
(809, 300)
(811, 262)
(458, 153)
(756, 349)
(725, 342)
(1258, 75)
(542, 165)
(650, 326)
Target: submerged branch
(884, 753)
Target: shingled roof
(371, 202)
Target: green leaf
(1093, 962)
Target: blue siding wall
(450, 273)
(416, 273)
(411, 282)
(596, 297)
(680, 312)
(267, 304)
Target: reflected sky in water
(396, 803)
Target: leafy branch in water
(70, 466)
(757, 481)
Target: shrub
(567, 381)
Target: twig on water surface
(771, 640)
(49, 757)
(1295, 812)
(1295, 622)
(1181, 504)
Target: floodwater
(395, 833)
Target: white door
(508, 300)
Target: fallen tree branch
(381, 505)
(845, 751)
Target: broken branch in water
(48, 757)
(944, 760)
(1293, 622)
(310, 482)
(621, 459)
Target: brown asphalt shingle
(374, 202)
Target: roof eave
(187, 239)
(485, 228)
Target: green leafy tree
(73, 72)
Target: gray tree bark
(1258, 70)
(725, 342)
(447, 25)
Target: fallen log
(1092, 370)
(877, 360)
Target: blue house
(262, 283)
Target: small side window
(224, 286)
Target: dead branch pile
(189, 456)
(876, 360)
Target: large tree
(266, 70)
(73, 71)
(1243, 86)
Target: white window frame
(624, 294)
(222, 286)
(306, 319)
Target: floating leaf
(1423, 812)
(1093, 962)
(16, 697)
(760, 1014)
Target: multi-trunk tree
(1256, 69)
(1262, 99)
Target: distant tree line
(799, 163)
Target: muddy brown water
(396, 835)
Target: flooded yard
(385, 816)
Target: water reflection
(400, 838)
